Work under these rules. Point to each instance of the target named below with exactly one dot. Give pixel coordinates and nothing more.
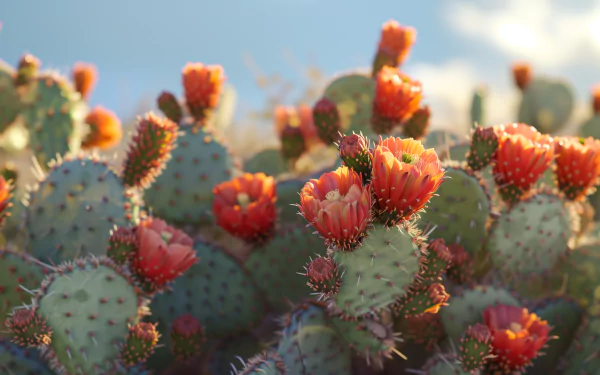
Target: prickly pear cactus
(183, 192)
(228, 354)
(378, 272)
(445, 364)
(74, 209)
(269, 162)
(275, 266)
(88, 304)
(583, 356)
(309, 345)
(591, 128)
(465, 307)
(353, 94)
(10, 103)
(52, 111)
(19, 361)
(369, 338)
(440, 139)
(581, 276)
(478, 106)
(19, 276)
(547, 104)
(268, 363)
(460, 212)
(217, 291)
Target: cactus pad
(547, 104)
(583, 357)
(10, 104)
(460, 211)
(18, 361)
(288, 196)
(269, 162)
(225, 357)
(591, 128)
(74, 209)
(275, 266)
(444, 365)
(368, 338)
(581, 272)
(378, 272)
(89, 305)
(216, 290)
(267, 363)
(183, 192)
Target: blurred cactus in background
(362, 240)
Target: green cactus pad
(591, 128)
(547, 104)
(565, 317)
(581, 272)
(441, 364)
(275, 266)
(10, 104)
(368, 338)
(455, 152)
(222, 117)
(353, 94)
(217, 291)
(51, 118)
(13, 226)
(268, 363)
(228, 352)
(309, 345)
(460, 211)
(288, 195)
(441, 139)
(18, 273)
(89, 305)
(478, 106)
(74, 209)
(529, 238)
(378, 272)
(583, 357)
(466, 308)
(269, 162)
(183, 192)
(19, 361)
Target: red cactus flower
(202, 86)
(522, 74)
(520, 161)
(596, 99)
(577, 165)
(397, 97)
(517, 335)
(338, 206)
(105, 129)
(405, 176)
(396, 41)
(245, 206)
(5, 196)
(525, 130)
(164, 253)
(85, 77)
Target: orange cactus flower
(517, 336)
(164, 253)
(525, 130)
(105, 129)
(396, 41)
(397, 97)
(245, 206)
(202, 85)
(85, 77)
(405, 176)
(520, 161)
(596, 99)
(522, 74)
(338, 206)
(5, 196)
(577, 165)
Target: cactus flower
(202, 85)
(397, 98)
(525, 130)
(28, 329)
(517, 336)
(394, 45)
(522, 74)
(338, 206)
(5, 196)
(245, 206)
(323, 276)
(164, 253)
(356, 154)
(405, 176)
(307, 126)
(520, 161)
(85, 77)
(105, 129)
(577, 165)
(596, 99)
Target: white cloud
(547, 34)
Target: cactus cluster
(363, 244)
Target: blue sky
(140, 46)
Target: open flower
(164, 253)
(245, 206)
(520, 161)
(577, 165)
(397, 97)
(338, 206)
(396, 40)
(105, 129)
(202, 85)
(525, 130)
(405, 176)
(517, 336)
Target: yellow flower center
(333, 195)
(515, 327)
(166, 236)
(409, 158)
(243, 200)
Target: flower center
(409, 158)
(333, 195)
(243, 200)
(166, 236)
(515, 327)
